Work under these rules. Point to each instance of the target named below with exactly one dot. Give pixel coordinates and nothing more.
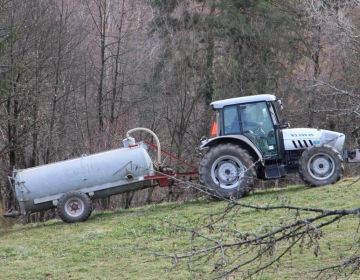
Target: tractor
(250, 142)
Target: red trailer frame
(166, 179)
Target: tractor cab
(255, 118)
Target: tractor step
(275, 171)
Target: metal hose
(153, 134)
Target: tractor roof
(246, 99)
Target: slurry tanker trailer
(69, 186)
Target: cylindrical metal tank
(99, 175)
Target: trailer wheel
(74, 207)
(319, 166)
(227, 171)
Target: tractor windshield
(258, 125)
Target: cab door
(257, 125)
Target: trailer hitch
(167, 176)
(12, 214)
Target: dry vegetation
(4, 223)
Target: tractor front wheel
(227, 171)
(319, 166)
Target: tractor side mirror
(284, 124)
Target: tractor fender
(240, 140)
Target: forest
(76, 75)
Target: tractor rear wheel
(227, 171)
(319, 166)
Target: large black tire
(227, 171)
(321, 165)
(74, 207)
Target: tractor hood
(302, 138)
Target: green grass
(114, 245)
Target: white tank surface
(98, 175)
(302, 138)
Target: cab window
(231, 120)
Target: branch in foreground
(217, 240)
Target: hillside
(112, 245)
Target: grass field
(115, 245)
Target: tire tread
(308, 179)
(212, 154)
(61, 207)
